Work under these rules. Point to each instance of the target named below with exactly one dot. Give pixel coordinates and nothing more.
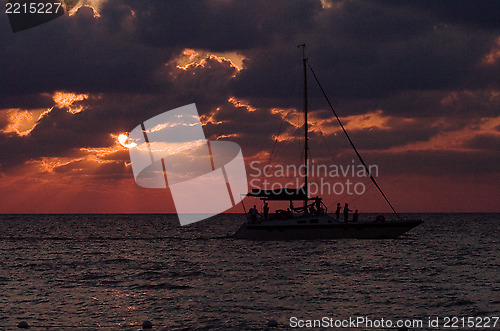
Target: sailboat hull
(359, 230)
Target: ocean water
(115, 271)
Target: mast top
(303, 50)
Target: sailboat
(312, 220)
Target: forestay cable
(350, 141)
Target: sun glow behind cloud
(48, 164)
(198, 58)
(95, 5)
(242, 104)
(22, 122)
(210, 118)
(82, 163)
(67, 99)
(376, 119)
(123, 138)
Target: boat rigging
(312, 221)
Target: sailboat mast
(306, 142)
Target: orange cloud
(455, 139)
(198, 58)
(67, 99)
(370, 120)
(225, 136)
(95, 5)
(22, 122)
(241, 104)
(49, 164)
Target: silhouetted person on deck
(355, 216)
(265, 211)
(253, 214)
(317, 203)
(346, 213)
(337, 212)
(312, 211)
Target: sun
(123, 138)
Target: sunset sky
(416, 83)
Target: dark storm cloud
(26, 101)
(480, 13)
(370, 49)
(438, 162)
(362, 48)
(222, 25)
(380, 139)
(206, 85)
(425, 104)
(76, 53)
